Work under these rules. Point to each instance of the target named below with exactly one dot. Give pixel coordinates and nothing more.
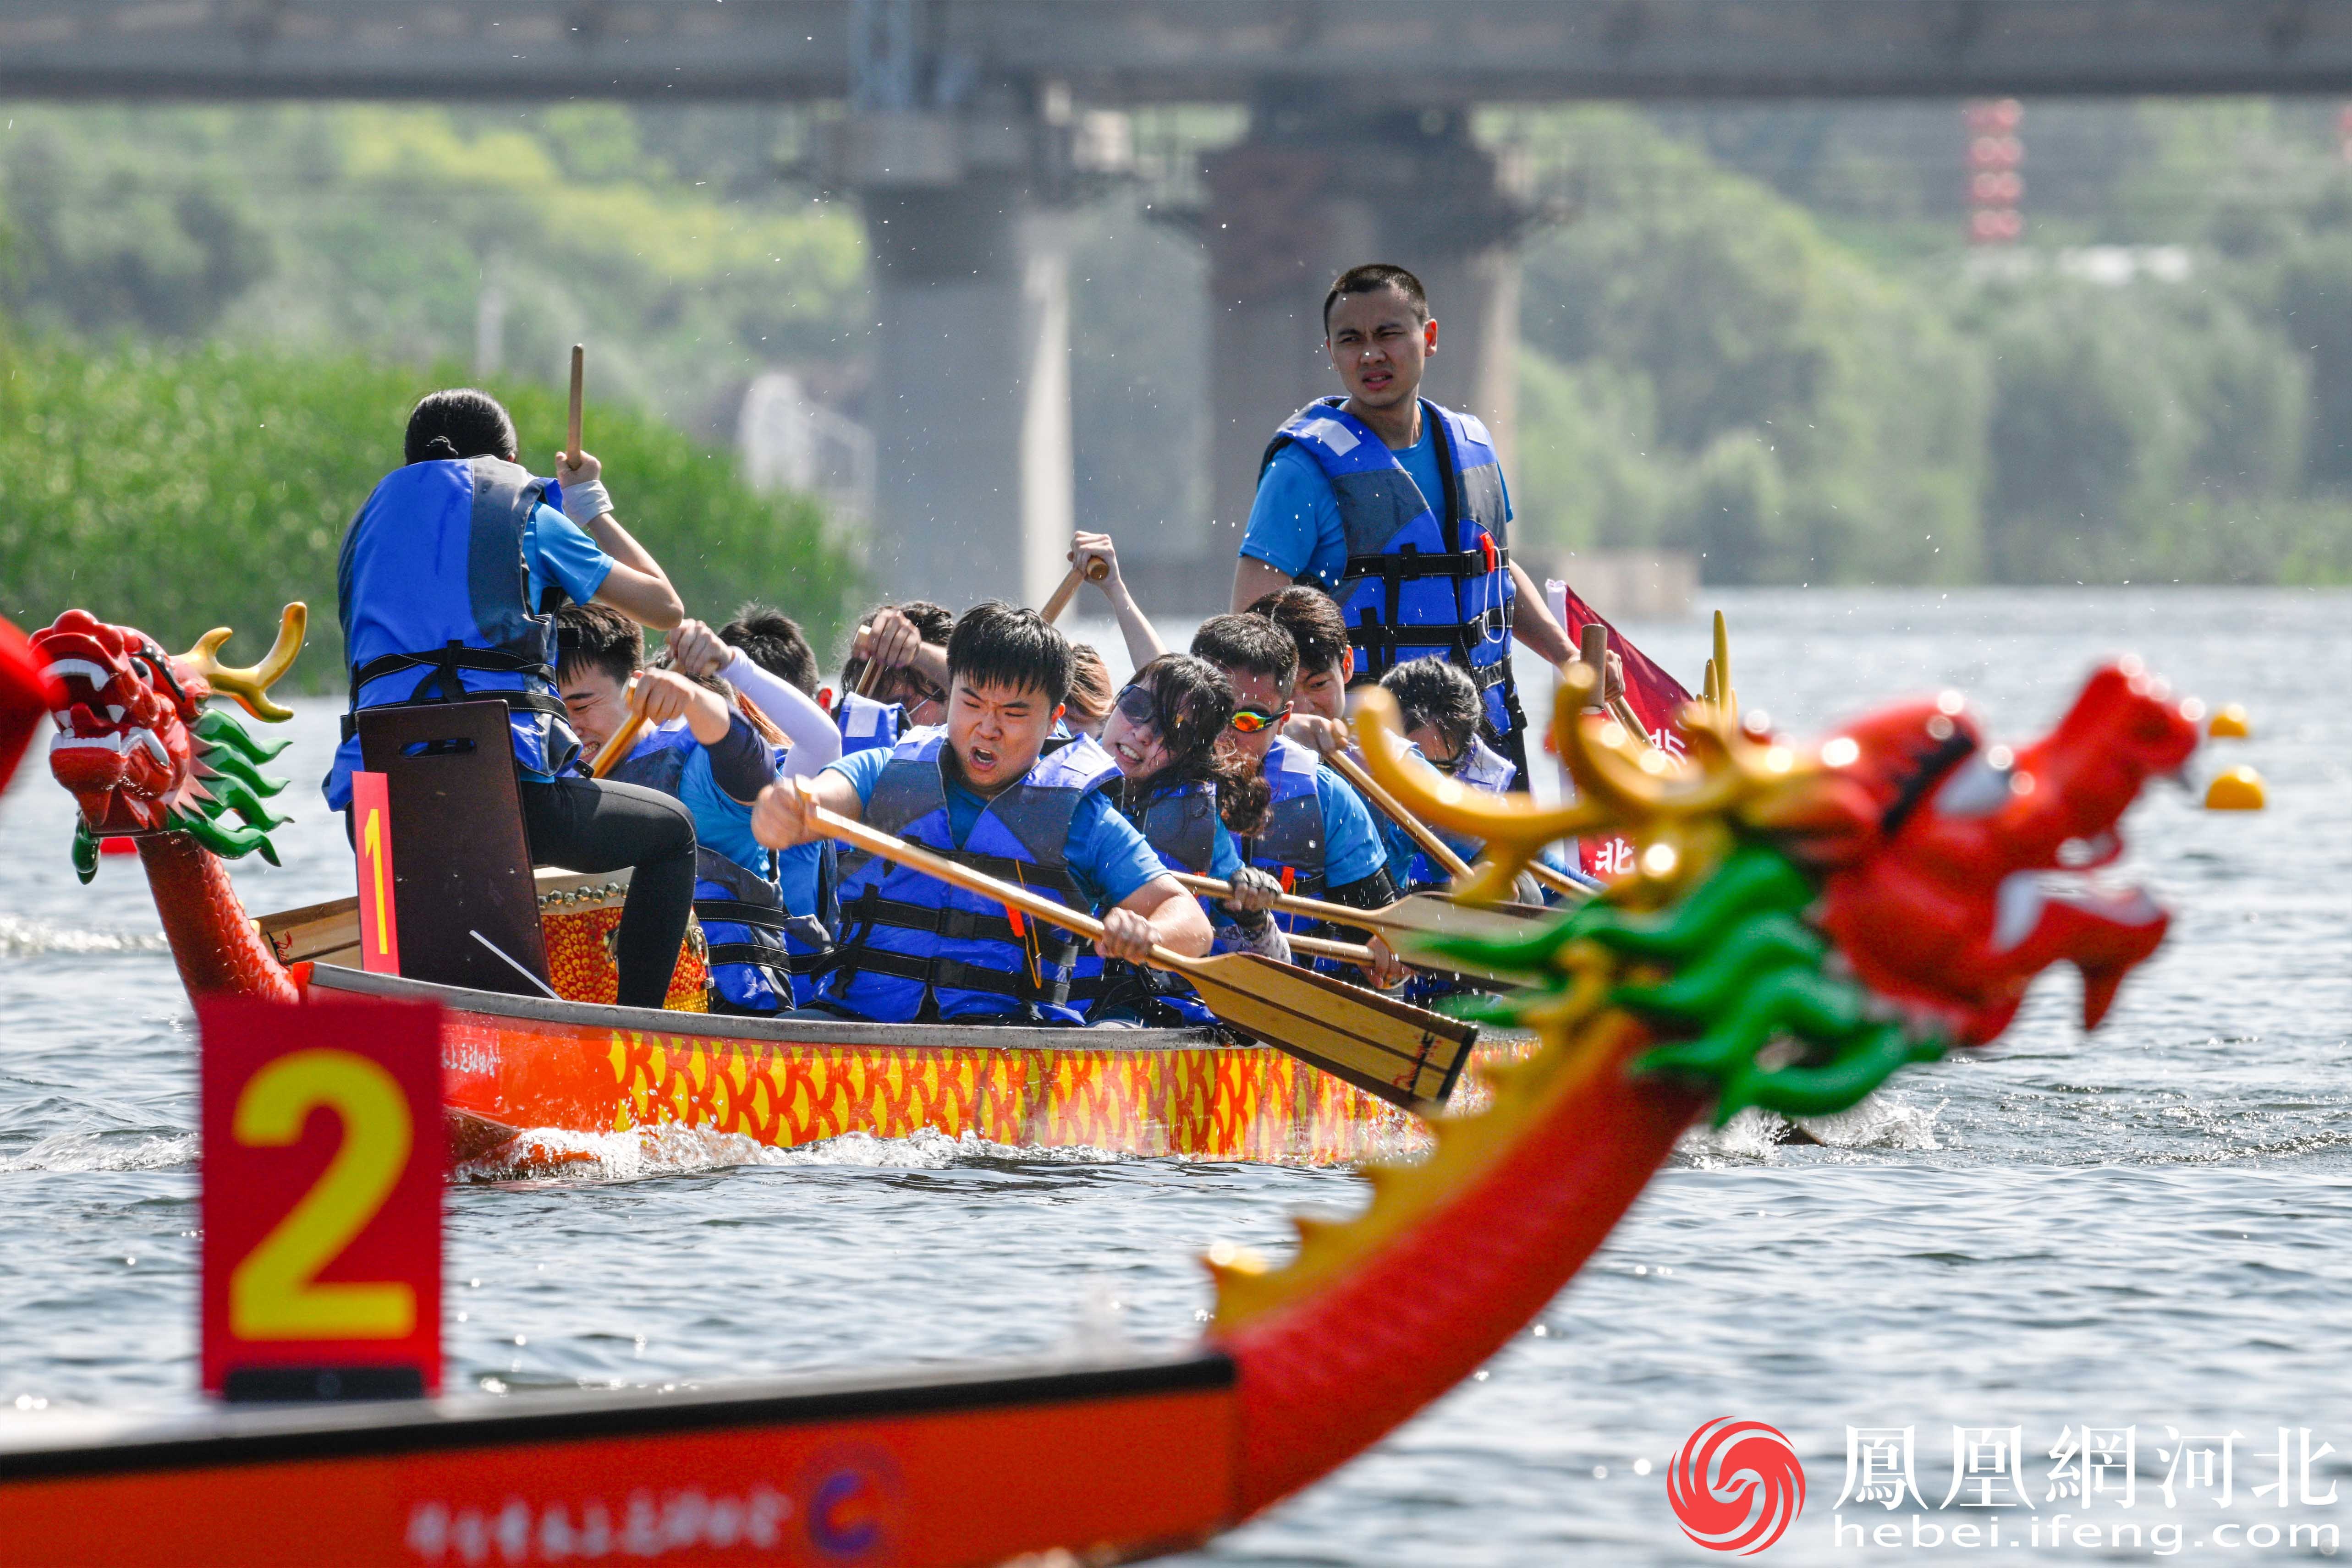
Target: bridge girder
(1374, 52)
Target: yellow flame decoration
(250, 685)
(1678, 818)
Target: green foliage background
(176, 491)
(1755, 335)
(1833, 390)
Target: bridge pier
(1311, 191)
(971, 405)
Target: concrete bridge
(970, 125)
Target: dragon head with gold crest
(139, 749)
(1802, 920)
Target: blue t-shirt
(1107, 858)
(561, 552)
(1294, 524)
(1353, 846)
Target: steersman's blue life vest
(1179, 823)
(763, 958)
(1424, 575)
(907, 937)
(432, 591)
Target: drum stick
(579, 375)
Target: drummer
(982, 790)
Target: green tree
(180, 491)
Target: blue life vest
(808, 932)
(907, 938)
(866, 723)
(1290, 843)
(1424, 575)
(433, 591)
(760, 951)
(1179, 823)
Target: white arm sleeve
(815, 742)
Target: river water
(2147, 1229)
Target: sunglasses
(1445, 765)
(1138, 706)
(1250, 720)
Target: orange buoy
(2230, 723)
(2238, 790)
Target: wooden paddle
(1421, 914)
(1354, 952)
(1593, 647)
(619, 744)
(1426, 837)
(1404, 1055)
(579, 375)
(1096, 569)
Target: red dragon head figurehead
(139, 750)
(1944, 880)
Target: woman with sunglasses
(1188, 800)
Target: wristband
(586, 501)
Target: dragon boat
(1802, 921)
(150, 756)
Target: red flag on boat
(1655, 696)
(26, 695)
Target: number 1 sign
(323, 1155)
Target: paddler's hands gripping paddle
(1422, 914)
(1405, 1055)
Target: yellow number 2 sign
(275, 1293)
(322, 1177)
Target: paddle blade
(1426, 915)
(1406, 1055)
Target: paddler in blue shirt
(714, 752)
(982, 790)
(904, 647)
(1396, 507)
(1318, 838)
(445, 587)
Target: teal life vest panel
(909, 939)
(433, 591)
(1425, 574)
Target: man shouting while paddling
(983, 791)
(1396, 507)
